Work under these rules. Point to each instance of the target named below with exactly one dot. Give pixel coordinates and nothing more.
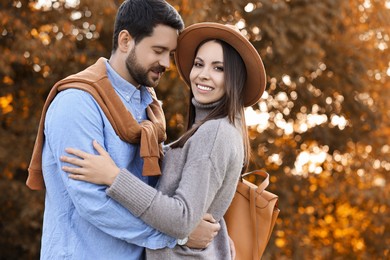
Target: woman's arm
(200, 181)
(101, 169)
(135, 195)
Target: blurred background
(321, 129)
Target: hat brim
(195, 34)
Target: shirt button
(127, 98)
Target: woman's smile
(204, 88)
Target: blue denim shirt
(80, 220)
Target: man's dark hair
(140, 17)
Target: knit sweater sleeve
(214, 153)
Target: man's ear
(125, 41)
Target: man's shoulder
(73, 95)
(74, 100)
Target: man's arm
(74, 120)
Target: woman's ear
(125, 41)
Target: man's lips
(158, 74)
(158, 70)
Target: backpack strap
(253, 193)
(255, 238)
(261, 173)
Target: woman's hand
(98, 169)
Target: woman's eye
(219, 68)
(197, 64)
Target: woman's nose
(204, 74)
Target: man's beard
(139, 73)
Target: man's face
(149, 59)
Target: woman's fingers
(77, 152)
(99, 148)
(73, 170)
(83, 155)
(72, 160)
(77, 177)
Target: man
(80, 221)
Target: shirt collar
(127, 90)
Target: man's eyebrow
(163, 48)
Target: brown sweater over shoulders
(94, 80)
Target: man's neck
(118, 65)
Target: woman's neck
(202, 110)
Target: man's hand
(204, 233)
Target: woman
(200, 170)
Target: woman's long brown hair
(232, 103)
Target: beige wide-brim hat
(193, 35)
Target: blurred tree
(322, 128)
(40, 43)
(328, 63)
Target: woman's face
(207, 73)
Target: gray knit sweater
(199, 178)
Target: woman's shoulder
(221, 141)
(217, 133)
(221, 127)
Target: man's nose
(165, 61)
